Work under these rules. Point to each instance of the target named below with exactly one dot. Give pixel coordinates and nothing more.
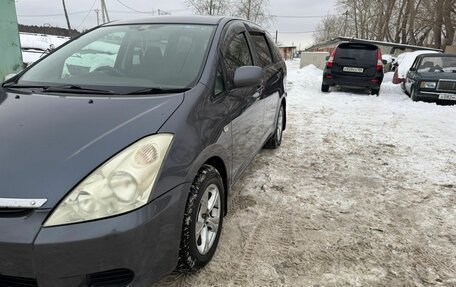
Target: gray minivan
(119, 149)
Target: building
(287, 52)
(386, 47)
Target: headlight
(121, 184)
(428, 85)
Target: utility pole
(277, 36)
(210, 7)
(10, 44)
(67, 18)
(345, 23)
(104, 12)
(98, 17)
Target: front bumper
(145, 241)
(434, 96)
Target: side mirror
(248, 76)
(327, 58)
(384, 62)
(412, 70)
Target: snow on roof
(41, 41)
(406, 61)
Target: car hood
(437, 76)
(50, 143)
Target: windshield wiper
(16, 86)
(149, 91)
(75, 89)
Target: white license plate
(353, 70)
(451, 97)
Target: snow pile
(34, 45)
(41, 41)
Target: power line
(132, 9)
(88, 13)
(300, 17)
(296, 32)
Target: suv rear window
(357, 52)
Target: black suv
(354, 65)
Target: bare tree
(210, 7)
(254, 10)
(416, 22)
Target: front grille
(14, 212)
(111, 278)
(10, 281)
(446, 86)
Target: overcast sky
(50, 12)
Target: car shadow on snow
(354, 91)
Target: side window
(237, 54)
(277, 57)
(262, 49)
(219, 85)
(415, 63)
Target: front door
(247, 107)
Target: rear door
(272, 79)
(353, 59)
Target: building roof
(337, 40)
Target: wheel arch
(219, 164)
(284, 104)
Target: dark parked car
(354, 65)
(432, 78)
(119, 149)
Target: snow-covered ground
(361, 193)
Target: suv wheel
(375, 92)
(203, 220)
(324, 88)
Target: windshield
(127, 57)
(438, 64)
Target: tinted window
(128, 56)
(275, 51)
(219, 85)
(357, 53)
(262, 49)
(237, 54)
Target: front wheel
(276, 139)
(414, 95)
(203, 220)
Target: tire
(275, 140)
(324, 88)
(375, 92)
(200, 223)
(414, 95)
